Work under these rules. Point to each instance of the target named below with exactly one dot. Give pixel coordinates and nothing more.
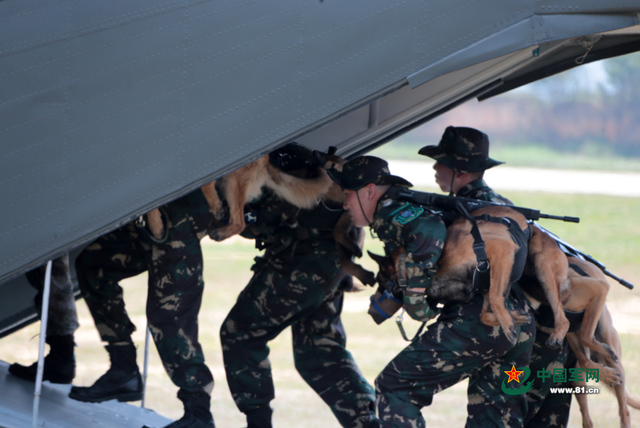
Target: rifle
(454, 203)
(572, 251)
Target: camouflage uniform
(478, 189)
(175, 288)
(63, 317)
(297, 283)
(547, 410)
(542, 412)
(59, 364)
(457, 346)
(467, 150)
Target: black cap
(360, 171)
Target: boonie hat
(360, 171)
(462, 149)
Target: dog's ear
(381, 260)
(320, 158)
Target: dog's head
(296, 160)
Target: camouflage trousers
(303, 292)
(63, 317)
(456, 347)
(546, 410)
(174, 294)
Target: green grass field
(608, 231)
(587, 157)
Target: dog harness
(482, 273)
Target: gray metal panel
(57, 410)
(108, 109)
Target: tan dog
(303, 188)
(548, 265)
(453, 280)
(245, 184)
(596, 344)
(454, 277)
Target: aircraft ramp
(59, 411)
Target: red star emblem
(513, 374)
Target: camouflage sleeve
(424, 241)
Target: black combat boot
(196, 411)
(259, 418)
(59, 364)
(121, 382)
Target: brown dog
(303, 187)
(245, 184)
(548, 266)
(453, 280)
(454, 277)
(596, 344)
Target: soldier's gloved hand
(415, 303)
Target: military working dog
(295, 175)
(595, 342)
(509, 249)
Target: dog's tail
(632, 400)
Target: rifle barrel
(617, 278)
(563, 218)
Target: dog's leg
(583, 361)
(348, 248)
(215, 204)
(490, 319)
(340, 234)
(607, 375)
(551, 269)
(584, 407)
(235, 190)
(607, 333)
(590, 294)
(354, 269)
(154, 218)
(501, 256)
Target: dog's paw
(609, 376)
(220, 234)
(221, 214)
(368, 278)
(521, 317)
(612, 353)
(554, 342)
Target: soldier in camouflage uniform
(59, 364)
(457, 345)
(175, 292)
(462, 157)
(297, 282)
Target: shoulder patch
(407, 214)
